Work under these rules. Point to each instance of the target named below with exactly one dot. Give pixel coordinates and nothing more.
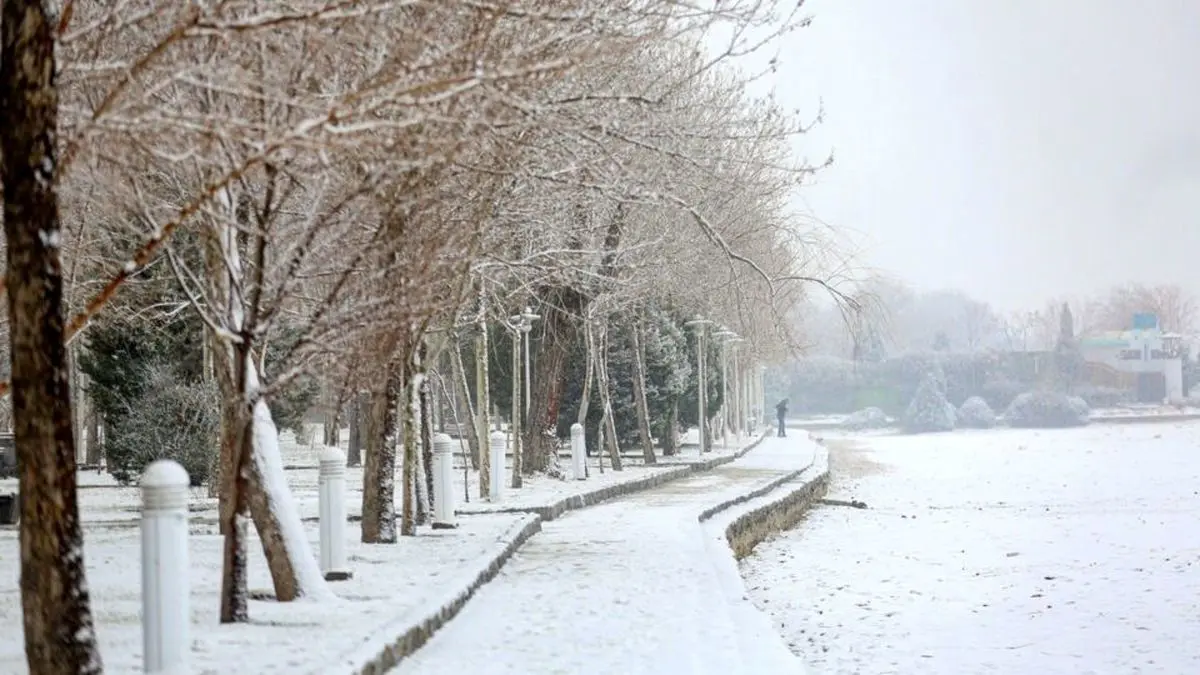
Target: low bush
(867, 418)
(1104, 397)
(975, 413)
(170, 420)
(1047, 410)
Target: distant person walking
(781, 415)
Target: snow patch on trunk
(267, 455)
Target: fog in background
(1015, 150)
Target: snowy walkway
(626, 587)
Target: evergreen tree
(929, 409)
(1068, 357)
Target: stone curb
(416, 636)
(599, 495)
(747, 530)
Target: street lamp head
(529, 316)
(697, 323)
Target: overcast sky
(1016, 150)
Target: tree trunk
(73, 386)
(614, 450)
(354, 447)
(95, 443)
(59, 633)
(379, 469)
(639, 394)
(425, 399)
(464, 405)
(559, 333)
(294, 569)
(235, 601)
(481, 408)
(514, 432)
(670, 436)
(589, 371)
(408, 510)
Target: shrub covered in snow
(976, 414)
(1104, 397)
(1001, 391)
(929, 409)
(867, 418)
(171, 420)
(1047, 409)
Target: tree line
(237, 209)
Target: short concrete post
(499, 444)
(165, 590)
(331, 496)
(578, 452)
(443, 476)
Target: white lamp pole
(527, 319)
(738, 417)
(697, 324)
(762, 391)
(726, 336)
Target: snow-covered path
(626, 587)
(1063, 552)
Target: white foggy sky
(1017, 150)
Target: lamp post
(527, 319)
(762, 391)
(697, 324)
(737, 416)
(520, 325)
(726, 336)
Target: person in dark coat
(781, 415)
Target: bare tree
(58, 628)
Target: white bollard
(443, 476)
(331, 495)
(499, 444)
(165, 589)
(578, 452)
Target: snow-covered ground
(626, 587)
(394, 586)
(103, 501)
(1004, 551)
(1145, 410)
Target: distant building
(1143, 357)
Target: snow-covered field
(394, 586)
(1004, 551)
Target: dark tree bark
(639, 394)
(235, 523)
(670, 435)
(408, 467)
(465, 411)
(95, 443)
(379, 467)
(59, 634)
(357, 430)
(561, 308)
(427, 403)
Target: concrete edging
(749, 529)
(599, 495)
(417, 635)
